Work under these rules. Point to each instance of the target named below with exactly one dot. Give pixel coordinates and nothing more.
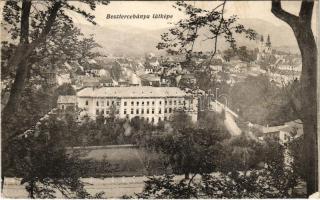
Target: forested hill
(130, 40)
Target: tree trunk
(186, 175)
(19, 61)
(21, 72)
(309, 54)
(301, 26)
(2, 182)
(16, 92)
(8, 118)
(31, 191)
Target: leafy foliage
(36, 36)
(260, 101)
(67, 46)
(299, 160)
(40, 32)
(199, 24)
(43, 146)
(187, 148)
(242, 153)
(271, 181)
(191, 150)
(166, 188)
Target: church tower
(264, 48)
(268, 45)
(261, 45)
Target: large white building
(152, 104)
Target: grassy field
(125, 160)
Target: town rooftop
(133, 91)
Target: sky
(243, 9)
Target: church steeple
(268, 43)
(261, 39)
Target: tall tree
(301, 26)
(31, 22)
(40, 32)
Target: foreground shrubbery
(255, 184)
(44, 165)
(229, 166)
(275, 179)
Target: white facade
(152, 104)
(148, 70)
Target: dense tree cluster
(263, 102)
(42, 161)
(239, 175)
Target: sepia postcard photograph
(169, 99)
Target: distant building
(67, 102)
(152, 64)
(123, 83)
(148, 69)
(264, 48)
(284, 134)
(103, 72)
(87, 81)
(188, 79)
(276, 133)
(150, 80)
(152, 104)
(288, 63)
(106, 82)
(92, 72)
(217, 68)
(284, 77)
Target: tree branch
(216, 34)
(190, 181)
(277, 10)
(306, 10)
(21, 52)
(51, 19)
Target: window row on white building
(153, 104)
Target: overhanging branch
(22, 51)
(277, 10)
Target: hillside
(129, 40)
(133, 41)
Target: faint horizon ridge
(136, 41)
